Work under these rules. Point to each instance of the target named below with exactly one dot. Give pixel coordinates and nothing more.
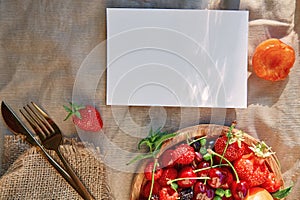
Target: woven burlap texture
(30, 175)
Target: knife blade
(18, 127)
(15, 124)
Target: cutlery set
(50, 138)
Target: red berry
(202, 165)
(188, 177)
(183, 154)
(239, 190)
(166, 193)
(166, 159)
(203, 191)
(168, 174)
(233, 150)
(252, 169)
(220, 178)
(147, 188)
(200, 187)
(149, 171)
(198, 157)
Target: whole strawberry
(167, 174)
(148, 171)
(183, 154)
(167, 193)
(232, 144)
(147, 188)
(86, 117)
(252, 169)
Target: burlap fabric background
(30, 176)
(43, 44)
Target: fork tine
(43, 113)
(33, 124)
(46, 117)
(41, 119)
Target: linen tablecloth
(44, 43)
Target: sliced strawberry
(166, 159)
(167, 193)
(147, 188)
(168, 174)
(233, 151)
(85, 117)
(148, 171)
(271, 184)
(252, 169)
(183, 154)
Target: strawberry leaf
(262, 150)
(73, 110)
(77, 114)
(282, 193)
(67, 108)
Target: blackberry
(186, 194)
(196, 145)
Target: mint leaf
(282, 193)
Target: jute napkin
(30, 176)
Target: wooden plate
(198, 131)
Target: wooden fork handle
(82, 190)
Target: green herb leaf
(158, 143)
(146, 142)
(154, 142)
(140, 157)
(282, 193)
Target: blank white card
(177, 57)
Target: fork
(51, 138)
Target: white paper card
(186, 58)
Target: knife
(19, 128)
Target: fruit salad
(203, 167)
